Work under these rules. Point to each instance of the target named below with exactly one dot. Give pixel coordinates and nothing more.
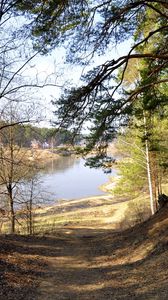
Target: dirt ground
(85, 263)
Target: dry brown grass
(86, 259)
(94, 212)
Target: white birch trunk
(152, 206)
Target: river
(67, 178)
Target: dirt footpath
(73, 271)
(78, 263)
(85, 264)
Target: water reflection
(68, 178)
(60, 165)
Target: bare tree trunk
(12, 212)
(152, 206)
(31, 219)
(149, 178)
(156, 178)
(29, 210)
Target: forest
(24, 135)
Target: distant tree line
(25, 134)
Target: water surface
(68, 178)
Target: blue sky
(54, 68)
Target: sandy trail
(103, 265)
(72, 272)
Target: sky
(50, 69)
(54, 67)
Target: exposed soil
(84, 263)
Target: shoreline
(43, 155)
(103, 211)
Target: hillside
(77, 262)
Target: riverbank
(98, 212)
(103, 212)
(41, 156)
(109, 185)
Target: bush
(137, 212)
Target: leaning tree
(93, 28)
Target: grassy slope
(95, 212)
